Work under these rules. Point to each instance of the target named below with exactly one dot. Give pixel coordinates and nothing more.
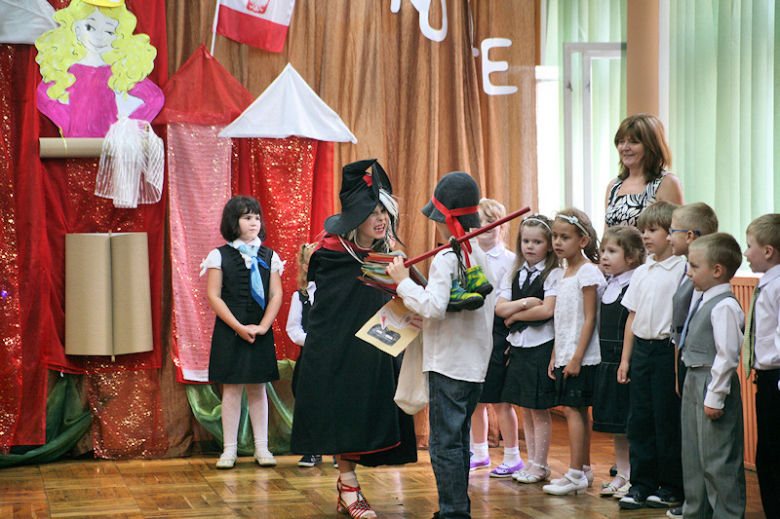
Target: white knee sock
(512, 456)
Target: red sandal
(360, 509)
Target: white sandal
(609, 489)
(521, 476)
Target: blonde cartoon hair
(131, 57)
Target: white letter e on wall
(494, 66)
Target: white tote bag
(411, 395)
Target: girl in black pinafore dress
(621, 253)
(244, 289)
(526, 299)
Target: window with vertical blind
(576, 153)
(724, 111)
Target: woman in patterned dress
(643, 179)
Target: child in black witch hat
(457, 346)
(345, 388)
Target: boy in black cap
(456, 346)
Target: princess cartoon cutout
(95, 69)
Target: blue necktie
(688, 320)
(256, 281)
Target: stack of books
(375, 275)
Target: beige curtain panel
(410, 85)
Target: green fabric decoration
(66, 423)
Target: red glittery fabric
(281, 174)
(22, 378)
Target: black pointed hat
(456, 198)
(359, 195)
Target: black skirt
(576, 391)
(527, 383)
(611, 400)
(496, 373)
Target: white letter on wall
(423, 8)
(494, 66)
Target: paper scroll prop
(95, 84)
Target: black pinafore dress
(611, 399)
(232, 359)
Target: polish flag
(260, 23)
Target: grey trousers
(712, 451)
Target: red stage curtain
(45, 201)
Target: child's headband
(105, 3)
(534, 219)
(574, 221)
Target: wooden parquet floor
(192, 487)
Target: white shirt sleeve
(551, 283)
(505, 288)
(212, 261)
(727, 319)
(430, 302)
(277, 265)
(294, 328)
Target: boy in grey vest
(689, 222)
(710, 343)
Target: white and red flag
(260, 23)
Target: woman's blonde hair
(131, 57)
(495, 210)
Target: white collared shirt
(501, 261)
(532, 335)
(214, 259)
(615, 285)
(727, 319)
(767, 318)
(294, 318)
(650, 295)
(455, 344)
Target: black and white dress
(625, 209)
(611, 399)
(232, 359)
